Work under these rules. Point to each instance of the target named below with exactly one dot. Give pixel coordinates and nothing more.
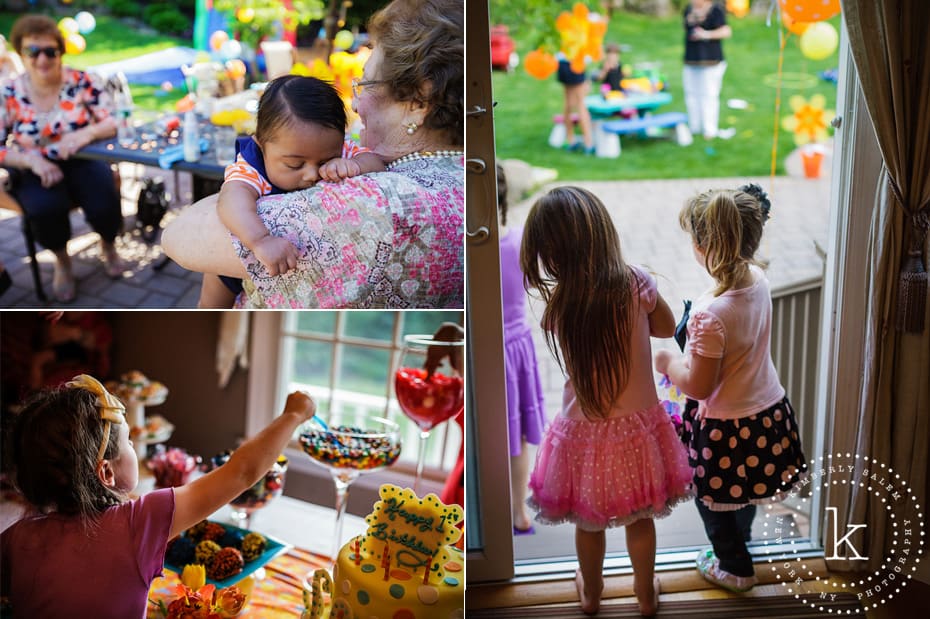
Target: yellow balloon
(819, 41)
(68, 25)
(245, 14)
(74, 44)
(343, 39)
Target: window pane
(428, 322)
(311, 362)
(364, 370)
(371, 325)
(318, 322)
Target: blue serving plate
(272, 550)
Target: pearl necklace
(425, 154)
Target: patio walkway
(646, 213)
(141, 285)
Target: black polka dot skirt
(741, 461)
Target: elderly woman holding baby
(387, 239)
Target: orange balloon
(739, 8)
(810, 10)
(540, 64)
(794, 27)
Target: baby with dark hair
(299, 140)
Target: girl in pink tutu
(611, 457)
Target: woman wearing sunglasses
(51, 112)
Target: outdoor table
(600, 107)
(151, 143)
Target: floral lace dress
(385, 240)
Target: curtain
(232, 346)
(891, 50)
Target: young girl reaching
(611, 457)
(299, 140)
(742, 431)
(90, 550)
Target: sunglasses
(33, 51)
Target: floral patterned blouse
(82, 100)
(384, 240)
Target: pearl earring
(411, 128)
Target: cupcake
(253, 545)
(226, 563)
(205, 552)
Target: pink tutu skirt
(610, 472)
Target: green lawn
(113, 40)
(525, 106)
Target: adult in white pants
(705, 25)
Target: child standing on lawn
(526, 411)
(299, 140)
(742, 431)
(76, 466)
(611, 457)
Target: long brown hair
(54, 444)
(727, 226)
(571, 255)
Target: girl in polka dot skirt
(739, 426)
(611, 457)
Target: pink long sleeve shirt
(736, 327)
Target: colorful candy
(345, 447)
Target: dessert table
(278, 588)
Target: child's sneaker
(709, 567)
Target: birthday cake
(404, 567)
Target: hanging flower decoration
(739, 8)
(810, 10)
(582, 34)
(540, 64)
(809, 119)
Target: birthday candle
(429, 561)
(386, 560)
(358, 552)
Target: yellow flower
(809, 120)
(194, 576)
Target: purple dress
(53, 567)
(526, 413)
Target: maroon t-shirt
(53, 566)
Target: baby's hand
(662, 359)
(337, 169)
(300, 402)
(277, 254)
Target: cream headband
(111, 409)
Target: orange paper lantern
(810, 10)
(540, 64)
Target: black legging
(87, 184)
